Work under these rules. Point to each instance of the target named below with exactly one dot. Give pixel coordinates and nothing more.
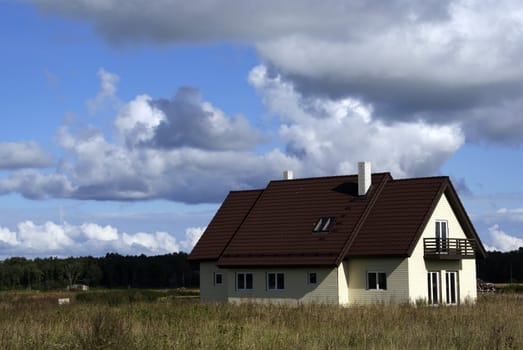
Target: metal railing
(449, 248)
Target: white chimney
(364, 178)
(288, 175)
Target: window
(441, 235)
(313, 279)
(275, 281)
(377, 280)
(324, 224)
(451, 279)
(244, 281)
(218, 278)
(433, 287)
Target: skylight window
(324, 224)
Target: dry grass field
(35, 321)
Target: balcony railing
(449, 248)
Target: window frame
(377, 280)
(245, 280)
(309, 275)
(434, 287)
(276, 281)
(441, 235)
(215, 278)
(452, 287)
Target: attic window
(324, 224)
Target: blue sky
(125, 125)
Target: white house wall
(396, 270)
(418, 266)
(467, 281)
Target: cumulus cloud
(8, 237)
(161, 153)
(189, 122)
(157, 242)
(187, 150)
(502, 241)
(34, 185)
(332, 135)
(100, 233)
(51, 239)
(17, 155)
(192, 235)
(183, 121)
(442, 62)
(168, 21)
(106, 171)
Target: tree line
(110, 271)
(171, 271)
(502, 267)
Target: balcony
(449, 248)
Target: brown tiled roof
(274, 226)
(224, 224)
(397, 217)
(281, 222)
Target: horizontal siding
(208, 291)
(297, 290)
(397, 281)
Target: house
(355, 239)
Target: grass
(35, 321)
(129, 296)
(509, 287)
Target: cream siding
(343, 283)
(467, 281)
(418, 266)
(396, 270)
(208, 291)
(297, 289)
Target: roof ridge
(422, 178)
(249, 190)
(326, 177)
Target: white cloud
(187, 150)
(97, 232)
(331, 135)
(8, 237)
(51, 239)
(107, 91)
(513, 214)
(34, 185)
(159, 242)
(16, 155)
(191, 122)
(445, 62)
(192, 235)
(137, 120)
(49, 236)
(502, 241)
